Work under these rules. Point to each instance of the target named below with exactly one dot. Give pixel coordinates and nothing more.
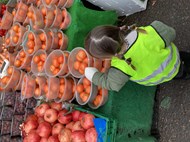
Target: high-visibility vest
(152, 62)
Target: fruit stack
(2, 11)
(12, 114)
(51, 123)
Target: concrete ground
(172, 112)
(172, 102)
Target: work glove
(89, 72)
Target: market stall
(43, 45)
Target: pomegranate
(65, 135)
(30, 125)
(56, 129)
(87, 121)
(78, 136)
(77, 127)
(75, 115)
(33, 137)
(91, 135)
(64, 119)
(41, 109)
(56, 106)
(50, 115)
(53, 139)
(44, 129)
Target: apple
(50, 115)
(75, 115)
(56, 129)
(64, 119)
(87, 121)
(33, 137)
(65, 135)
(78, 136)
(44, 129)
(56, 106)
(91, 135)
(44, 140)
(41, 109)
(53, 139)
(30, 125)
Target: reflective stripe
(160, 69)
(176, 66)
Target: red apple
(41, 109)
(30, 125)
(65, 135)
(50, 115)
(77, 127)
(87, 121)
(25, 139)
(40, 120)
(91, 135)
(53, 139)
(31, 117)
(33, 137)
(56, 129)
(64, 119)
(78, 136)
(70, 125)
(75, 115)
(56, 106)
(81, 115)
(44, 129)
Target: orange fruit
(80, 88)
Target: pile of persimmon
(39, 60)
(61, 88)
(30, 14)
(21, 57)
(48, 16)
(30, 43)
(42, 37)
(81, 61)
(84, 89)
(45, 88)
(7, 39)
(17, 35)
(98, 98)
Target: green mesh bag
(83, 21)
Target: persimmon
(40, 68)
(76, 65)
(22, 54)
(46, 88)
(52, 68)
(59, 34)
(30, 14)
(81, 54)
(17, 63)
(10, 70)
(30, 36)
(7, 41)
(43, 10)
(81, 71)
(15, 28)
(62, 88)
(37, 92)
(62, 81)
(60, 59)
(15, 39)
(30, 44)
(84, 96)
(97, 100)
(86, 82)
(55, 62)
(83, 66)
(88, 89)
(43, 57)
(85, 61)
(42, 37)
(30, 51)
(80, 88)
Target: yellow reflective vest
(152, 62)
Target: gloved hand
(89, 72)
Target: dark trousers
(184, 70)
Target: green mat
(132, 107)
(83, 20)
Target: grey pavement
(172, 121)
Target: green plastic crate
(111, 124)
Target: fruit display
(49, 123)
(40, 68)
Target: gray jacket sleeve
(114, 79)
(167, 33)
